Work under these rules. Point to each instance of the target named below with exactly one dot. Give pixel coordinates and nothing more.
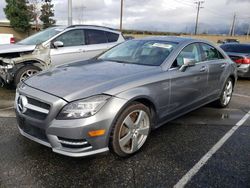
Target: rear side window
(95, 36)
(245, 49)
(72, 38)
(112, 37)
(210, 53)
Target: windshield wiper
(114, 60)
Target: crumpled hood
(83, 79)
(12, 48)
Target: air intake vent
(74, 143)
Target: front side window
(143, 52)
(95, 36)
(72, 38)
(210, 53)
(190, 52)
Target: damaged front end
(10, 63)
(6, 71)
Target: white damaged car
(52, 47)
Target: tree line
(23, 13)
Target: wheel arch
(35, 62)
(143, 99)
(147, 101)
(233, 79)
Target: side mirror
(58, 44)
(187, 62)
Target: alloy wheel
(227, 93)
(134, 131)
(27, 74)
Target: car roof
(236, 44)
(93, 27)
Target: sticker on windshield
(160, 45)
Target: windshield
(144, 52)
(41, 37)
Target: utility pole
(232, 30)
(69, 12)
(199, 3)
(121, 15)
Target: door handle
(223, 65)
(81, 50)
(203, 69)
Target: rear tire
(131, 130)
(25, 72)
(226, 94)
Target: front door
(72, 50)
(188, 87)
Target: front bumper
(244, 70)
(66, 137)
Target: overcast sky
(157, 15)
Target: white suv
(52, 47)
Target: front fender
(141, 93)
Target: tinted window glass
(236, 48)
(72, 38)
(189, 52)
(95, 36)
(210, 53)
(142, 52)
(112, 37)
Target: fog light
(97, 133)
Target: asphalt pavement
(171, 151)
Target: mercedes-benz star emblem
(22, 103)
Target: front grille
(35, 114)
(32, 130)
(38, 103)
(32, 107)
(74, 143)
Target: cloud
(159, 15)
(238, 1)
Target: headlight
(83, 108)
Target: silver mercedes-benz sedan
(112, 102)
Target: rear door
(188, 88)
(72, 50)
(216, 65)
(96, 42)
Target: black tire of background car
(114, 136)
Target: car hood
(12, 48)
(83, 79)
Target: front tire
(25, 72)
(226, 94)
(131, 130)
